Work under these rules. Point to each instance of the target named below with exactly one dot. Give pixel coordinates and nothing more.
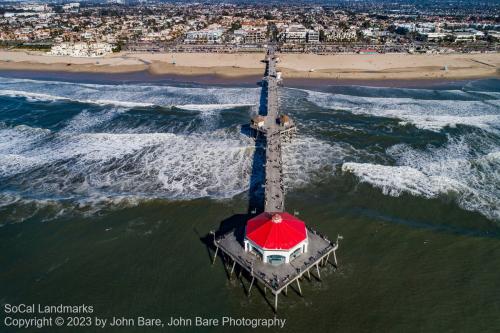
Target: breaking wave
(110, 149)
(127, 95)
(51, 98)
(210, 107)
(467, 169)
(306, 159)
(431, 114)
(31, 96)
(159, 164)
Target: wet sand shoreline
(247, 67)
(145, 77)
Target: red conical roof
(276, 231)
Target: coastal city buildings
(209, 35)
(158, 26)
(81, 49)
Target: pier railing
(274, 187)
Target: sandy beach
(298, 66)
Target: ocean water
(107, 190)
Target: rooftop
(276, 231)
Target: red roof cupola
(276, 231)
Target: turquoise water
(107, 190)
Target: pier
(321, 251)
(274, 187)
(276, 278)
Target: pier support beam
(251, 284)
(317, 270)
(232, 269)
(215, 255)
(335, 258)
(298, 285)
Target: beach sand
(294, 66)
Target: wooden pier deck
(276, 278)
(274, 187)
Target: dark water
(106, 191)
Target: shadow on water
(258, 175)
(236, 223)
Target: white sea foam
(126, 95)
(8, 199)
(14, 163)
(69, 206)
(127, 104)
(423, 94)
(89, 165)
(74, 162)
(123, 167)
(210, 107)
(32, 96)
(494, 94)
(425, 114)
(394, 180)
(15, 139)
(86, 120)
(117, 103)
(47, 209)
(305, 157)
(159, 164)
(472, 175)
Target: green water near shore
(394, 274)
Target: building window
(296, 253)
(276, 260)
(255, 251)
